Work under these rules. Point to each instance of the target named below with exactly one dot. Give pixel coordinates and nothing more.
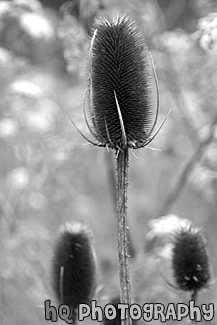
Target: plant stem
(122, 159)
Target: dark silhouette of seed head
(119, 95)
(73, 265)
(190, 261)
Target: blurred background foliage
(48, 176)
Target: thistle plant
(177, 258)
(73, 266)
(190, 261)
(119, 110)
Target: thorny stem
(122, 160)
(112, 186)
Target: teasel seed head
(190, 261)
(119, 108)
(73, 265)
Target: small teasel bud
(119, 92)
(73, 265)
(190, 261)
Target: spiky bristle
(73, 266)
(190, 260)
(120, 82)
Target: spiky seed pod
(190, 260)
(119, 92)
(73, 265)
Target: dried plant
(119, 110)
(73, 266)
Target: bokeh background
(49, 175)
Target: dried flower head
(73, 265)
(119, 97)
(190, 260)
